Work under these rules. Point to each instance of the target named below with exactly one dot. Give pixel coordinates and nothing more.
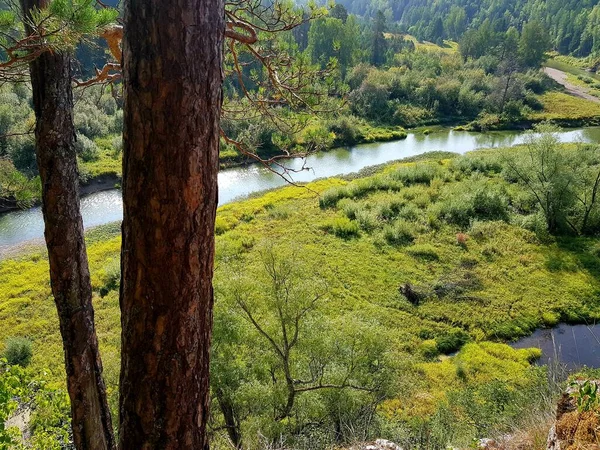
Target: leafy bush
(474, 162)
(18, 351)
(411, 116)
(358, 188)
(489, 205)
(389, 209)
(346, 130)
(21, 150)
(110, 277)
(90, 120)
(399, 233)
(342, 227)
(451, 341)
(483, 203)
(429, 349)
(330, 197)
(367, 220)
(86, 148)
(16, 186)
(418, 173)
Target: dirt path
(561, 78)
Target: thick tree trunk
(69, 273)
(172, 76)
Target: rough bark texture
(172, 76)
(69, 273)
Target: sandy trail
(561, 78)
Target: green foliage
(586, 395)
(279, 362)
(332, 39)
(16, 186)
(534, 43)
(451, 342)
(562, 184)
(65, 23)
(342, 227)
(17, 351)
(86, 148)
(399, 233)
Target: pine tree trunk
(69, 273)
(172, 77)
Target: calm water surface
(107, 206)
(572, 345)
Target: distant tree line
(571, 24)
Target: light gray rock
(379, 444)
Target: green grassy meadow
(453, 228)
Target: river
(107, 206)
(574, 346)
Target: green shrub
(399, 233)
(472, 203)
(18, 351)
(410, 116)
(90, 120)
(489, 205)
(110, 277)
(117, 146)
(429, 349)
(349, 207)
(451, 342)
(342, 227)
(86, 148)
(330, 197)
(410, 212)
(389, 209)
(367, 220)
(419, 173)
(357, 189)
(456, 211)
(346, 130)
(469, 164)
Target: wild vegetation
(338, 317)
(382, 309)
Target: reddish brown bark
(69, 273)
(172, 77)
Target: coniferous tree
(379, 43)
(51, 75)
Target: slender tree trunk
(172, 76)
(69, 273)
(231, 422)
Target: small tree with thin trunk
(50, 30)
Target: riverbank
(104, 182)
(236, 183)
